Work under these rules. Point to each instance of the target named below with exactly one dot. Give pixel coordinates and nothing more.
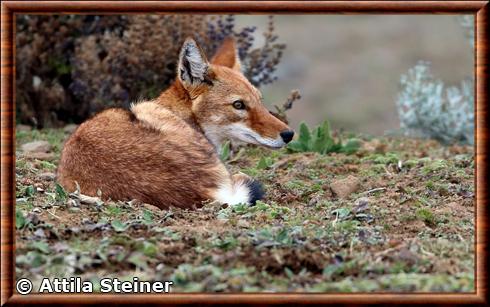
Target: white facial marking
(238, 132)
(243, 133)
(214, 135)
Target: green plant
(320, 140)
(20, 220)
(61, 194)
(426, 216)
(119, 226)
(224, 153)
(265, 162)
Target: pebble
(47, 176)
(243, 224)
(47, 156)
(361, 204)
(36, 147)
(23, 128)
(346, 186)
(70, 128)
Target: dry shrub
(70, 67)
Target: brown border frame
(8, 8)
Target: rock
(243, 224)
(70, 128)
(36, 146)
(394, 242)
(60, 247)
(23, 128)
(47, 156)
(315, 199)
(149, 207)
(40, 233)
(344, 187)
(406, 255)
(452, 208)
(374, 146)
(361, 204)
(32, 218)
(47, 176)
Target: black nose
(287, 135)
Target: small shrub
(320, 140)
(288, 105)
(426, 216)
(72, 66)
(45, 46)
(427, 109)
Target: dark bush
(70, 67)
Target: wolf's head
(224, 103)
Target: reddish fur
(226, 55)
(126, 160)
(160, 155)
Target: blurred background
(347, 67)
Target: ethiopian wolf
(164, 151)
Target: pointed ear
(193, 65)
(227, 55)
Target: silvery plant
(427, 108)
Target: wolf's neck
(177, 100)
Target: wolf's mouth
(250, 136)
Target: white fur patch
(237, 133)
(243, 133)
(233, 194)
(214, 134)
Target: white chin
(257, 140)
(241, 133)
(275, 146)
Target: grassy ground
(405, 227)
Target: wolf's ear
(227, 55)
(193, 65)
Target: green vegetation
(320, 140)
(224, 154)
(408, 226)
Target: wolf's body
(164, 152)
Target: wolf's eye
(239, 105)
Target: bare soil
(403, 221)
